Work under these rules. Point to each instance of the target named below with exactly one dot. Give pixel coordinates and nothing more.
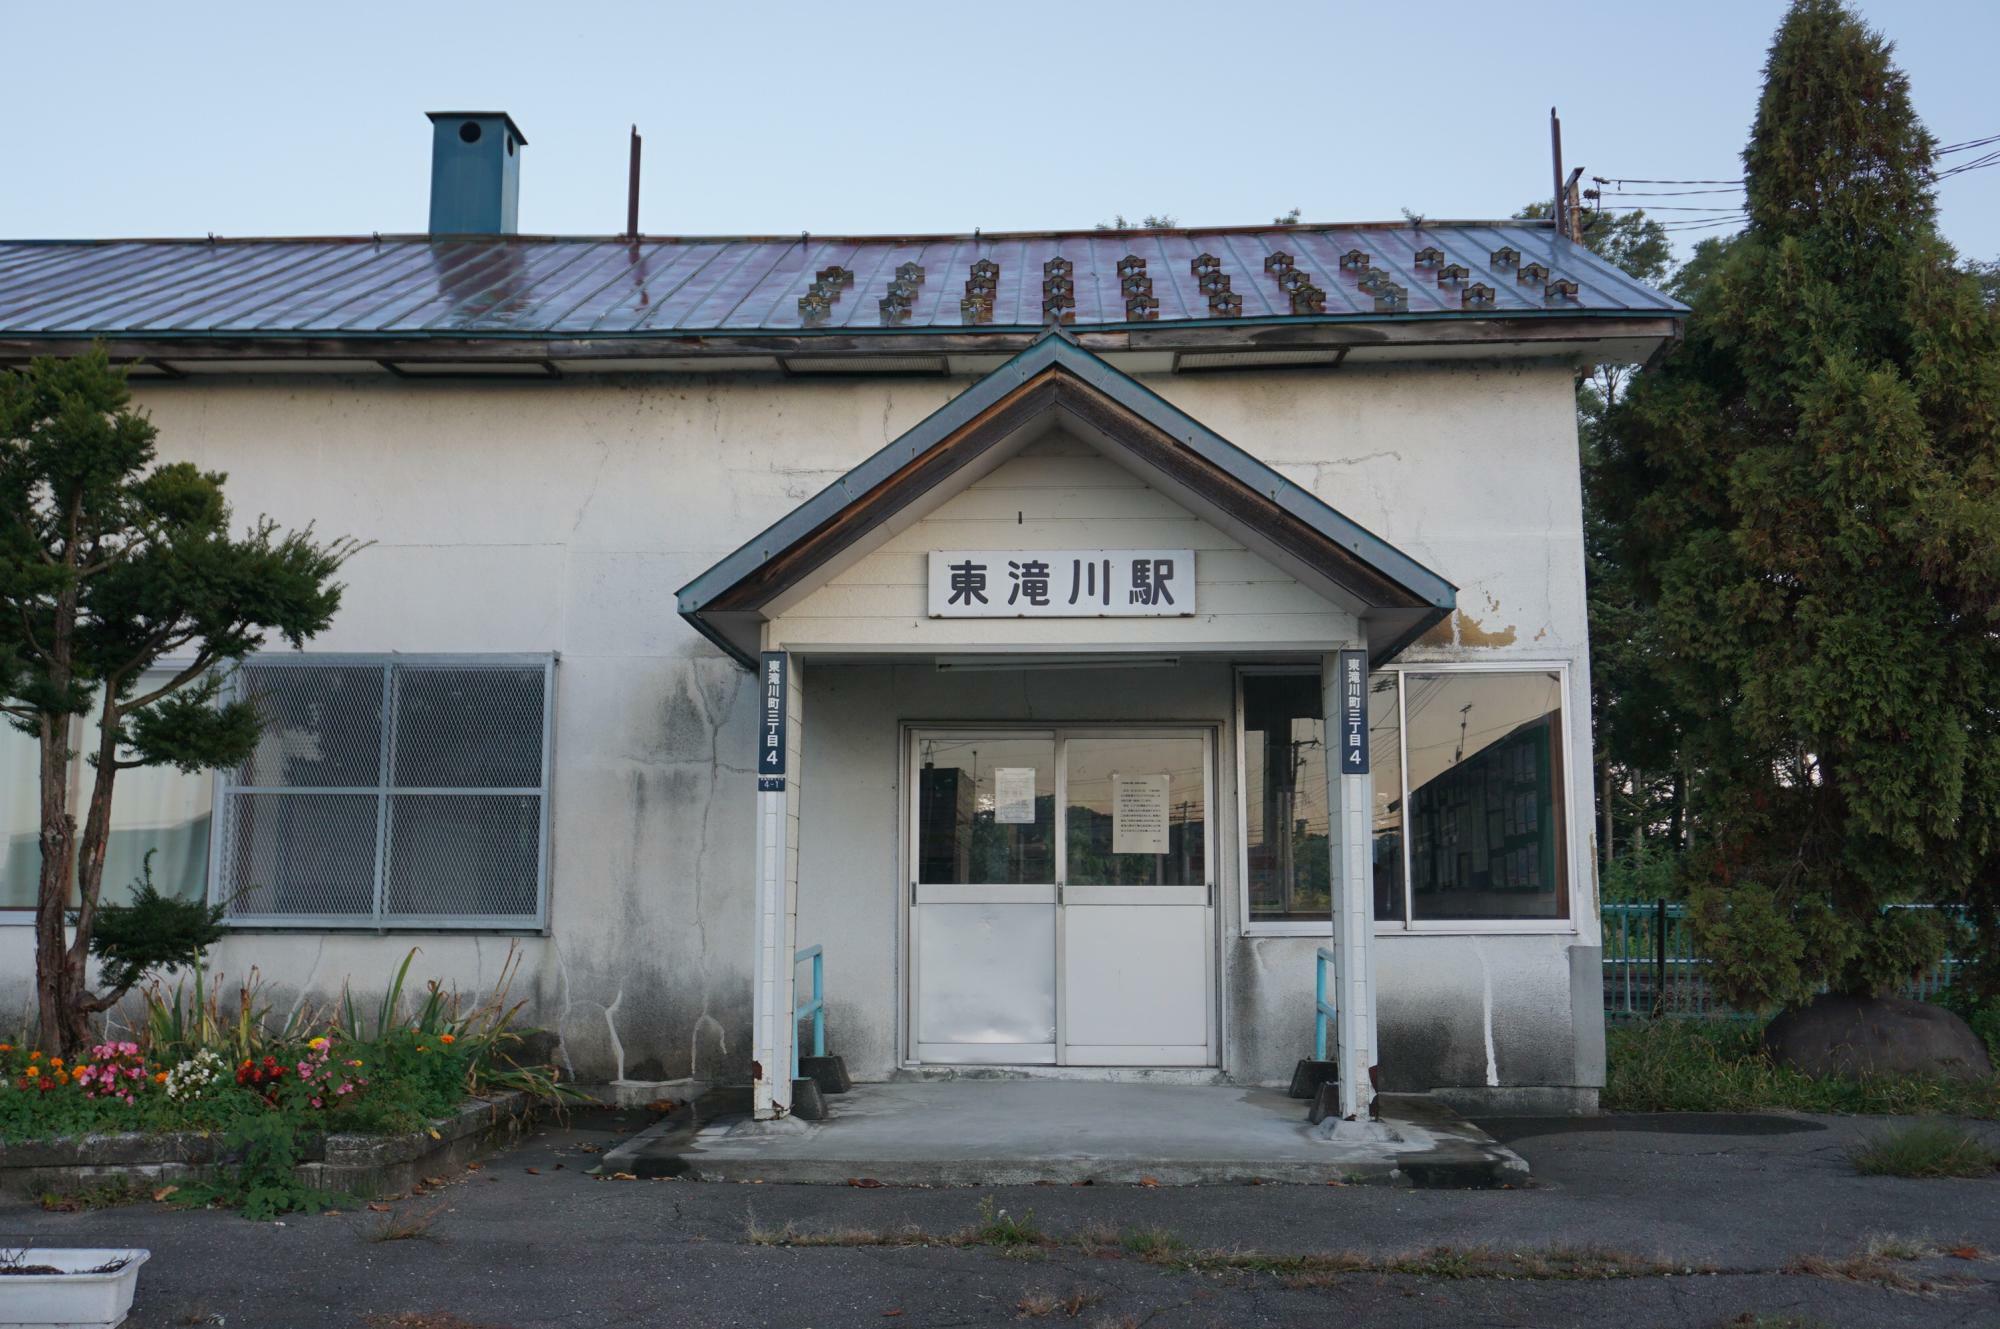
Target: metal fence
(1651, 968)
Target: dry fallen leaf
(434, 1135)
(165, 1193)
(890, 1315)
(534, 1171)
(433, 1181)
(865, 1183)
(1963, 1252)
(1149, 1181)
(474, 1167)
(380, 1208)
(623, 1176)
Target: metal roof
(462, 288)
(1396, 597)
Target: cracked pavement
(529, 1240)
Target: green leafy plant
(151, 932)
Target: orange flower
(159, 1077)
(447, 1038)
(6, 1047)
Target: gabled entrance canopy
(1056, 384)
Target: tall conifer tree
(1810, 486)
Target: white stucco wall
(563, 516)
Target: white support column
(774, 999)
(1353, 876)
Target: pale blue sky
(272, 119)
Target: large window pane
(20, 819)
(157, 810)
(154, 808)
(1138, 812)
(1385, 759)
(1285, 798)
(1486, 815)
(986, 811)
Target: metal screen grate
(322, 726)
(468, 728)
(390, 791)
(301, 854)
(460, 854)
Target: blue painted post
(1323, 1010)
(815, 1006)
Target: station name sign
(771, 736)
(1353, 686)
(1061, 583)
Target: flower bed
(194, 1090)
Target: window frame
(1409, 924)
(378, 921)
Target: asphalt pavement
(1692, 1221)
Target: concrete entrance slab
(1013, 1132)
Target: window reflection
(1485, 776)
(986, 811)
(1129, 792)
(1285, 794)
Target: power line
(1633, 180)
(1664, 193)
(1969, 143)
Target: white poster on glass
(1014, 795)
(1139, 814)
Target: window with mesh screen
(409, 792)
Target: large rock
(1856, 1036)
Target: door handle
(1059, 893)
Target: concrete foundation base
(1310, 1075)
(830, 1073)
(1016, 1132)
(643, 1093)
(808, 1103)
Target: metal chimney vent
(475, 172)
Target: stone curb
(362, 1164)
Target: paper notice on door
(1139, 814)
(1014, 795)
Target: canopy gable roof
(1057, 382)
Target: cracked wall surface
(562, 516)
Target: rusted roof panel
(583, 287)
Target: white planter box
(68, 1300)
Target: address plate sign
(1061, 583)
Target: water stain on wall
(1461, 629)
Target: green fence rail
(1651, 968)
